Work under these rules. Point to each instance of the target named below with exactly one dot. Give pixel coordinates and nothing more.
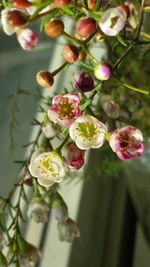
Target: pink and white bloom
(88, 132)
(73, 156)
(67, 230)
(113, 20)
(127, 142)
(65, 109)
(27, 38)
(47, 168)
(102, 71)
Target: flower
(28, 254)
(127, 142)
(83, 82)
(64, 109)
(67, 230)
(44, 78)
(47, 168)
(59, 210)
(11, 20)
(73, 156)
(113, 20)
(110, 107)
(3, 261)
(102, 71)
(49, 129)
(86, 26)
(87, 132)
(27, 38)
(38, 210)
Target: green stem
(119, 60)
(55, 72)
(72, 39)
(90, 55)
(137, 33)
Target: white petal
(45, 182)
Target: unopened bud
(54, 28)
(86, 26)
(28, 181)
(70, 53)
(102, 71)
(44, 79)
(91, 4)
(16, 18)
(62, 3)
(82, 55)
(67, 230)
(21, 4)
(38, 210)
(83, 82)
(28, 254)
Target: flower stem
(55, 72)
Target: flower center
(65, 108)
(87, 130)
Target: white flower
(49, 129)
(87, 132)
(47, 168)
(113, 21)
(67, 230)
(27, 38)
(38, 210)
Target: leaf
(122, 41)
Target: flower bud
(21, 4)
(91, 4)
(62, 3)
(86, 26)
(102, 71)
(59, 210)
(3, 261)
(12, 19)
(113, 20)
(73, 156)
(54, 28)
(70, 53)
(110, 107)
(67, 230)
(38, 210)
(83, 82)
(27, 39)
(44, 78)
(28, 254)
(82, 55)
(49, 129)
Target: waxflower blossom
(83, 82)
(28, 254)
(110, 107)
(49, 129)
(65, 109)
(38, 210)
(27, 38)
(59, 210)
(47, 168)
(127, 142)
(102, 71)
(73, 156)
(87, 132)
(11, 20)
(113, 20)
(67, 230)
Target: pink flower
(65, 109)
(127, 142)
(27, 38)
(73, 156)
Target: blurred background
(112, 211)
